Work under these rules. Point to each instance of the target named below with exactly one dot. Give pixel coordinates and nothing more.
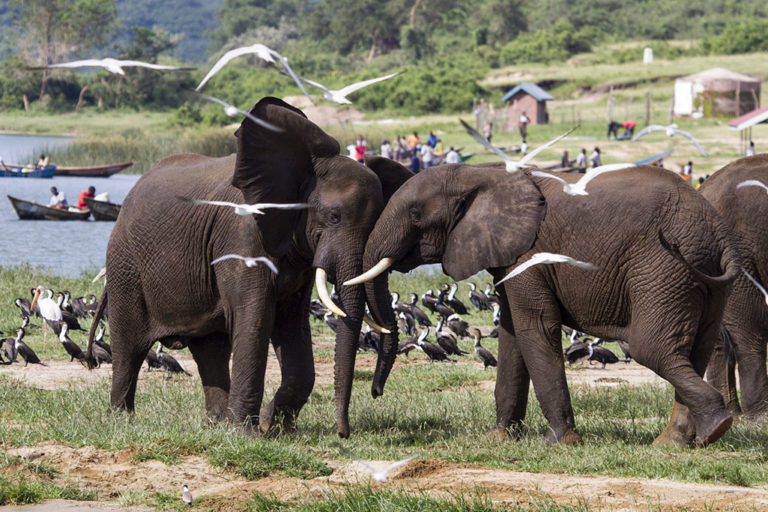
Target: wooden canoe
(102, 210)
(30, 210)
(94, 171)
(19, 171)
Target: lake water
(21, 149)
(65, 248)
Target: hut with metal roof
(716, 91)
(529, 98)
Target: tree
(58, 28)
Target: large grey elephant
(161, 284)
(665, 260)
(746, 316)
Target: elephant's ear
(391, 174)
(275, 167)
(497, 221)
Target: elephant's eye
(415, 214)
(334, 217)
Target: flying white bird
(671, 130)
(340, 95)
(249, 262)
(752, 183)
(263, 52)
(759, 286)
(379, 476)
(232, 111)
(580, 187)
(547, 257)
(250, 209)
(512, 165)
(186, 496)
(112, 65)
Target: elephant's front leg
(292, 339)
(537, 324)
(512, 378)
(252, 328)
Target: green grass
(16, 488)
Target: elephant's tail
(90, 361)
(730, 355)
(729, 261)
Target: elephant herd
(668, 258)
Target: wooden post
(647, 108)
(609, 109)
(25, 100)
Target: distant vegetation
(444, 47)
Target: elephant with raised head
(162, 285)
(665, 260)
(746, 317)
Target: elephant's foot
(757, 414)
(674, 437)
(272, 420)
(500, 433)
(711, 428)
(568, 437)
(734, 408)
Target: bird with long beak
(49, 310)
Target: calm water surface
(66, 248)
(21, 149)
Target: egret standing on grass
(512, 165)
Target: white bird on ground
(232, 111)
(249, 262)
(263, 52)
(671, 131)
(548, 257)
(752, 183)
(340, 95)
(759, 286)
(49, 310)
(580, 187)
(379, 475)
(250, 209)
(512, 165)
(186, 496)
(112, 65)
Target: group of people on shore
(411, 150)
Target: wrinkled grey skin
(746, 314)
(161, 284)
(661, 300)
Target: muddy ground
(112, 473)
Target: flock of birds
(63, 315)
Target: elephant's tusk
(376, 327)
(374, 271)
(321, 282)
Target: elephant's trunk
(380, 303)
(352, 299)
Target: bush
(554, 44)
(746, 37)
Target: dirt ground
(113, 473)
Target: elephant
(665, 260)
(161, 284)
(745, 319)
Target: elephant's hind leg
(212, 355)
(130, 345)
(292, 340)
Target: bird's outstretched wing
(216, 100)
(542, 174)
(229, 257)
(284, 62)
(79, 64)
(597, 171)
(752, 183)
(399, 463)
(282, 206)
(315, 84)
(547, 257)
(539, 149)
(358, 459)
(259, 49)
(138, 63)
(648, 129)
(260, 122)
(655, 158)
(249, 261)
(692, 139)
(365, 83)
(215, 203)
(511, 164)
(759, 286)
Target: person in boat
(2, 164)
(90, 193)
(43, 162)
(58, 199)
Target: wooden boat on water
(94, 171)
(20, 171)
(102, 210)
(30, 210)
